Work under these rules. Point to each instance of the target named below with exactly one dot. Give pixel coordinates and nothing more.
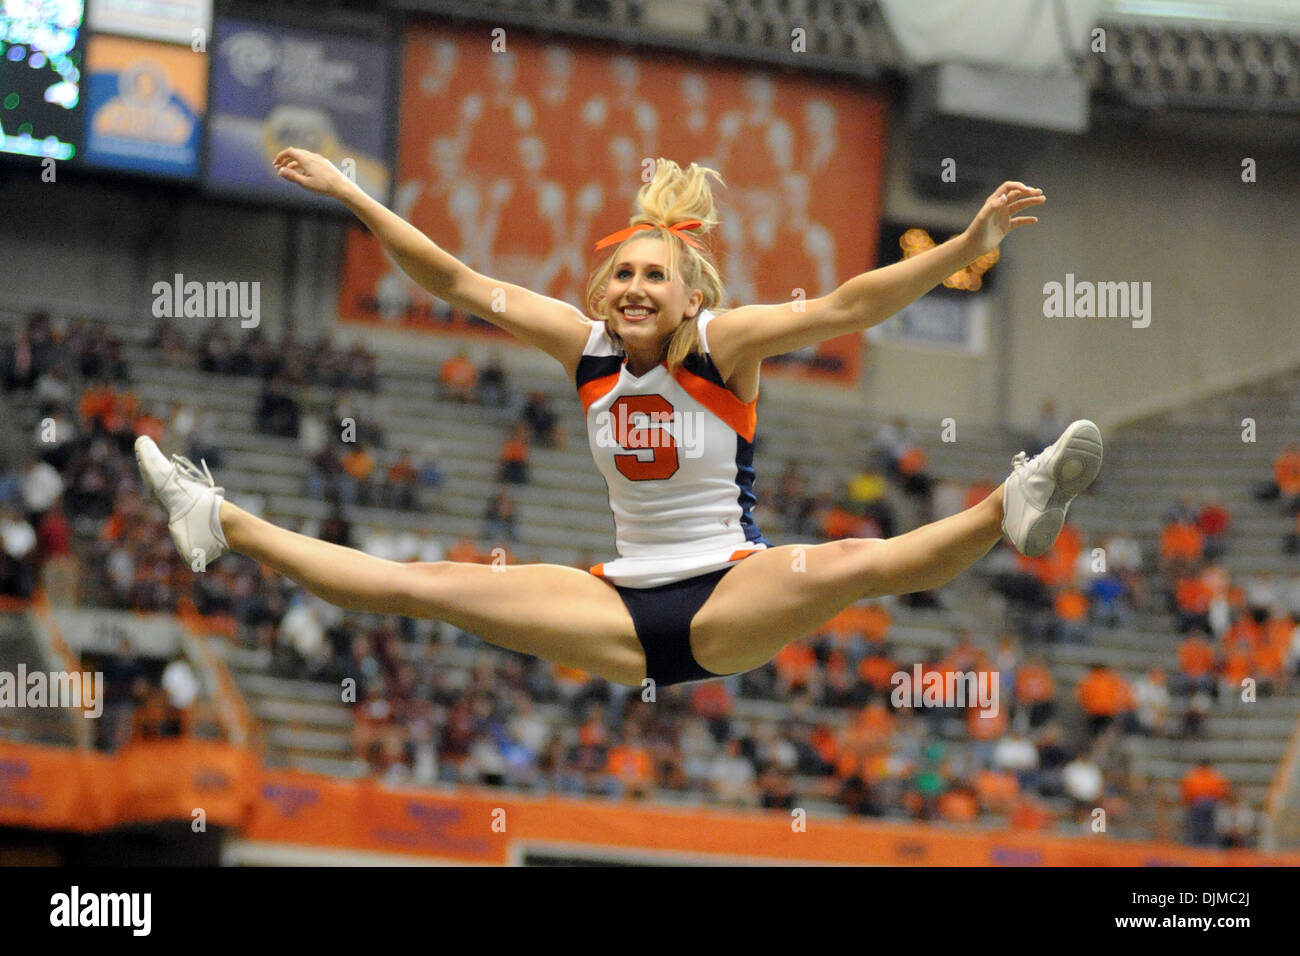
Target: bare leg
(559, 614)
(783, 594)
(343, 576)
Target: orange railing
(68, 659)
(237, 719)
(1279, 791)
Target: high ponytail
(673, 196)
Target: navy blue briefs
(662, 618)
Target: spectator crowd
(434, 705)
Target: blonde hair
(674, 195)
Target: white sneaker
(192, 499)
(1040, 489)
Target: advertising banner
(144, 106)
(275, 86)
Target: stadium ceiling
(1224, 56)
(1256, 15)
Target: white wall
(1219, 254)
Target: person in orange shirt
(875, 621)
(1237, 666)
(514, 457)
(96, 406)
(1192, 598)
(401, 483)
(458, 376)
(985, 726)
(998, 790)
(148, 423)
(795, 664)
(1203, 788)
(1267, 664)
(629, 764)
(840, 523)
(465, 551)
(959, 805)
(839, 679)
(1196, 661)
(876, 672)
(910, 471)
(1181, 545)
(848, 624)
(825, 745)
(1104, 696)
(1035, 690)
(1243, 634)
(354, 483)
(711, 701)
(1071, 608)
(873, 724)
(1286, 475)
(1065, 552)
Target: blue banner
(275, 86)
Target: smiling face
(640, 279)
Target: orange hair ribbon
(677, 229)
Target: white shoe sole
(1077, 465)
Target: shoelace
(189, 470)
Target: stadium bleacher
(308, 726)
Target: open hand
(999, 215)
(311, 171)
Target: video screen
(40, 77)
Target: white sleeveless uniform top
(677, 453)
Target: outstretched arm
(751, 333)
(555, 327)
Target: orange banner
(65, 789)
(294, 807)
(516, 161)
(475, 826)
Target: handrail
(70, 661)
(240, 724)
(1279, 790)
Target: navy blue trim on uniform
(702, 365)
(745, 480)
(662, 618)
(592, 367)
